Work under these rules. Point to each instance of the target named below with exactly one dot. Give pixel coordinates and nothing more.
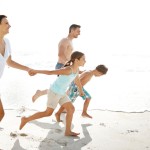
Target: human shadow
(17, 146)
(56, 140)
(1, 129)
(78, 144)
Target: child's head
(76, 57)
(100, 70)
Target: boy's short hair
(102, 69)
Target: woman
(5, 54)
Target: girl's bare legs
(2, 113)
(38, 94)
(85, 107)
(58, 113)
(70, 110)
(46, 113)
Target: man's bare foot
(71, 134)
(58, 118)
(86, 115)
(23, 122)
(36, 95)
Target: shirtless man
(65, 48)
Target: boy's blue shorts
(73, 93)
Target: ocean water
(126, 86)
(114, 33)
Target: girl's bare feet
(23, 122)
(36, 95)
(84, 114)
(71, 134)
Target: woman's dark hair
(1, 17)
(74, 55)
(102, 69)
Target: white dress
(4, 58)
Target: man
(5, 54)
(65, 46)
(65, 49)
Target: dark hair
(102, 69)
(1, 17)
(74, 26)
(74, 55)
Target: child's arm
(79, 85)
(63, 71)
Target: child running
(73, 91)
(57, 91)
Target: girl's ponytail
(74, 55)
(68, 63)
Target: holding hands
(32, 72)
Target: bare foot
(71, 134)
(23, 122)
(58, 118)
(36, 95)
(86, 115)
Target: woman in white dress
(5, 54)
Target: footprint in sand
(62, 142)
(1, 129)
(15, 134)
(58, 130)
(132, 131)
(23, 134)
(102, 124)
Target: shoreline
(107, 130)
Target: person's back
(65, 49)
(85, 77)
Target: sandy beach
(106, 131)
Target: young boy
(73, 92)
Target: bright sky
(107, 27)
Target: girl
(57, 92)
